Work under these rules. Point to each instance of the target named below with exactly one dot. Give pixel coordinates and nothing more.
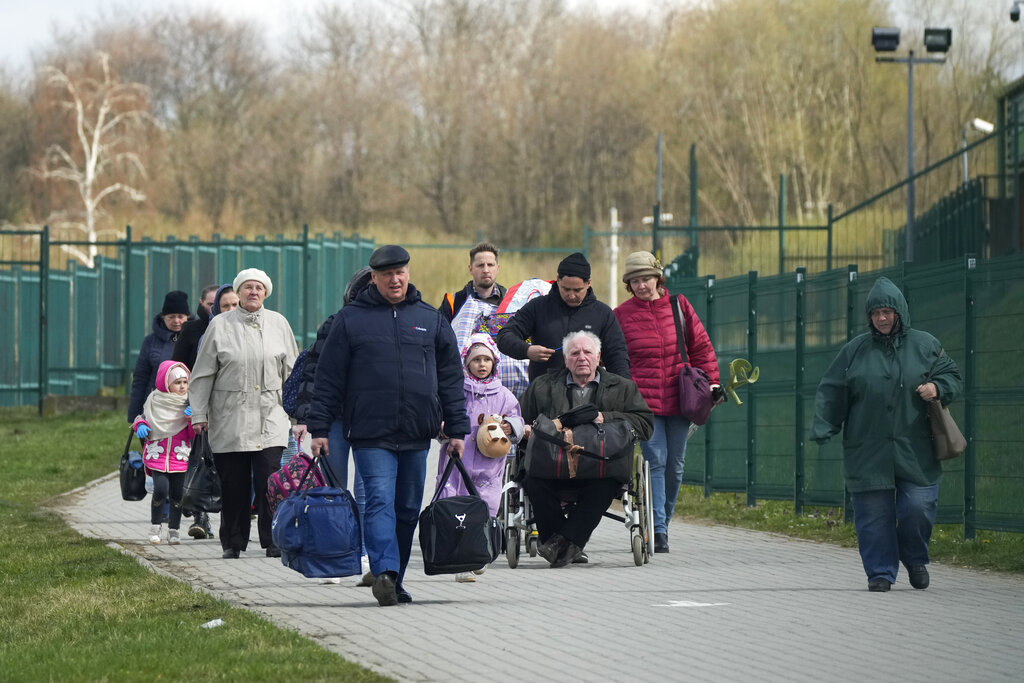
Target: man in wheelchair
(579, 393)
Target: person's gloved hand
(142, 431)
(717, 394)
(188, 411)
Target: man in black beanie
(570, 306)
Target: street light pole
(909, 249)
(887, 40)
(910, 60)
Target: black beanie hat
(175, 302)
(574, 265)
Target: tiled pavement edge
(726, 605)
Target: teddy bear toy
(490, 438)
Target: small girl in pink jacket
(166, 425)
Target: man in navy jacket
(390, 370)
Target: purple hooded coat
(483, 397)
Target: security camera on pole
(887, 40)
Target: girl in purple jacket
(485, 395)
(166, 426)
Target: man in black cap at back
(390, 371)
(570, 306)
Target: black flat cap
(389, 256)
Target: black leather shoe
(879, 585)
(568, 556)
(919, 578)
(660, 543)
(552, 548)
(230, 554)
(403, 595)
(385, 589)
(273, 551)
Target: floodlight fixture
(938, 39)
(982, 126)
(885, 39)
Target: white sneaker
(335, 579)
(480, 571)
(465, 577)
(172, 537)
(154, 533)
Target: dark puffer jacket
(546, 320)
(391, 372)
(869, 392)
(156, 348)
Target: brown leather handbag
(948, 441)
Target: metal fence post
(798, 396)
(752, 401)
(44, 346)
(851, 332)
(828, 253)
(127, 270)
(307, 315)
(709, 460)
(970, 407)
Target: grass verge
(989, 550)
(75, 609)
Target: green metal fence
(792, 326)
(68, 326)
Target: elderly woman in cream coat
(243, 361)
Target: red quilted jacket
(654, 358)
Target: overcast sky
(27, 25)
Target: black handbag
(695, 400)
(458, 534)
(132, 473)
(202, 483)
(586, 451)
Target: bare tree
(100, 158)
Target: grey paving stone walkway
(725, 605)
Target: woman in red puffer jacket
(654, 360)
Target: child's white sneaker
(465, 577)
(154, 533)
(172, 537)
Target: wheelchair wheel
(532, 543)
(641, 493)
(649, 506)
(638, 550)
(512, 547)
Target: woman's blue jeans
(337, 460)
(665, 451)
(394, 493)
(894, 526)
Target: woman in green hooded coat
(876, 391)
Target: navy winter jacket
(392, 373)
(156, 348)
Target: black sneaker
(919, 578)
(385, 589)
(660, 542)
(879, 585)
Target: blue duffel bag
(317, 531)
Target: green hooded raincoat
(869, 393)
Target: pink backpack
(292, 477)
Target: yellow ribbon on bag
(740, 372)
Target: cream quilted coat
(243, 361)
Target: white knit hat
(253, 274)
